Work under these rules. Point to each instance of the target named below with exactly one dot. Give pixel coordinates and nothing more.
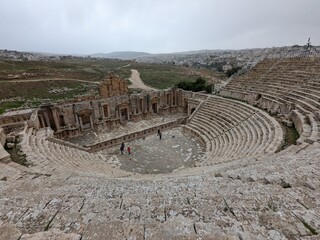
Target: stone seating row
(49, 156)
(252, 195)
(296, 87)
(233, 130)
(270, 170)
(285, 68)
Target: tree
(198, 85)
(232, 71)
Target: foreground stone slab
(9, 232)
(52, 235)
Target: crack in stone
(84, 199)
(195, 229)
(50, 221)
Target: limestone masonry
(224, 168)
(113, 86)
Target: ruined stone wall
(4, 155)
(15, 116)
(134, 135)
(2, 137)
(113, 86)
(34, 120)
(68, 113)
(73, 117)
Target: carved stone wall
(69, 119)
(15, 116)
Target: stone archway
(124, 112)
(62, 122)
(106, 111)
(154, 105)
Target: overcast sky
(156, 26)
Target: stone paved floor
(91, 137)
(176, 150)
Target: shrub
(232, 71)
(198, 85)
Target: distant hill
(125, 55)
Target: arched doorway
(85, 118)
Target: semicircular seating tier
(229, 130)
(48, 156)
(287, 86)
(232, 130)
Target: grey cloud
(79, 26)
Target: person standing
(129, 150)
(159, 134)
(122, 147)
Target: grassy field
(156, 75)
(163, 76)
(44, 89)
(63, 73)
(9, 105)
(83, 69)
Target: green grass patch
(9, 105)
(83, 69)
(64, 89)
(164, 76)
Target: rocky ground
(151, 155)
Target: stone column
(47, 119)
(128, 114)
(91, 121)
(142, 105)
(176, 96)
(162, 100)
(174, 101)
(80, 121)
(137, 106)
(42, 121)
(75, 115)
(55, 119)
(147, 104)
(101, 113)
(93, 111)
(120, 116)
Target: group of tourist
(122, 146)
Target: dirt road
(134, 79)
(137, 82)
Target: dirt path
(134, 79)
(137, 82)
(128, 65)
